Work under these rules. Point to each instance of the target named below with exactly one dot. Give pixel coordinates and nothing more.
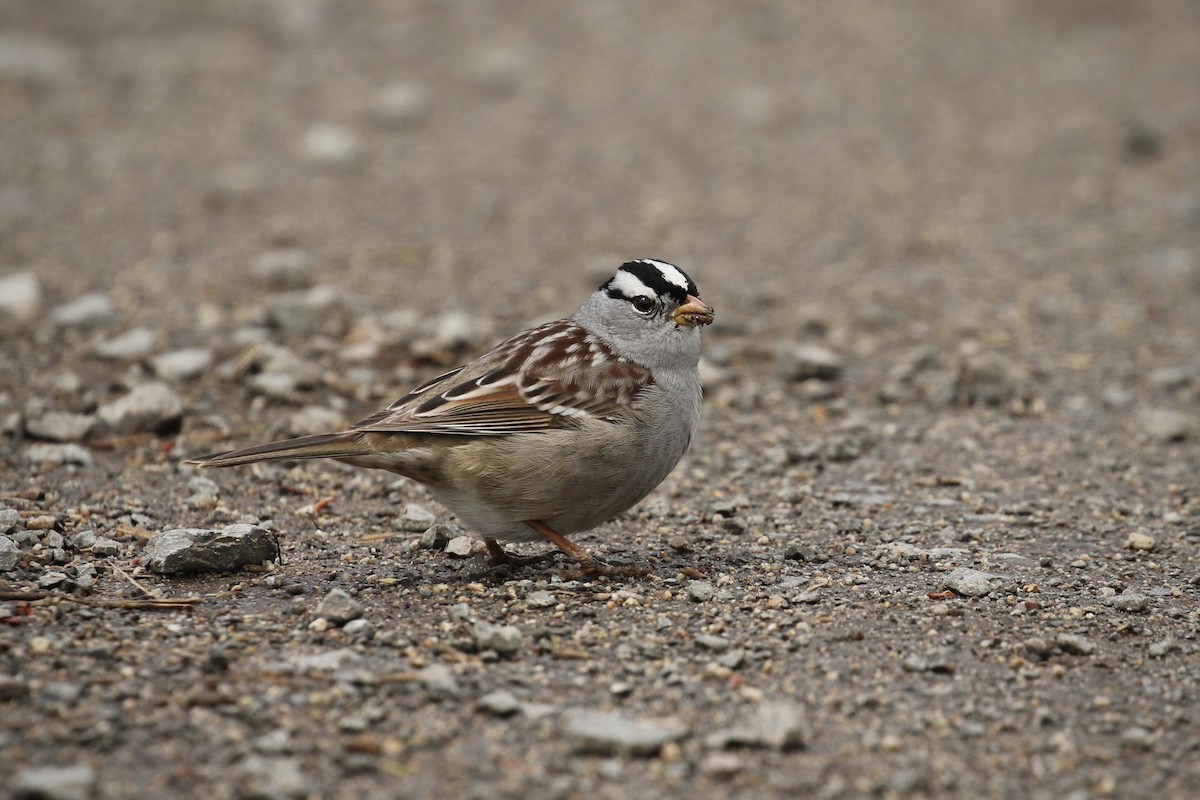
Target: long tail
(324, 445)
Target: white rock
(133, 344)
(90, 311)
(60, 426)
(148, 407)
(401, 104)
(328, 145)
(20, 302)
(182, 365)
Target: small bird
(551, 432)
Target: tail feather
(324, 445)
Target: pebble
(286, 268)
(332, 146)
(1161, 648)
(312, 420)
(461, 547)
(1165, 425)
(611, 734)
(987, 378)
(90, 311)
(1140, 541)
(58, 454)
(1075, 644)
(721, 765)
(74, 782)
(183, 364)
(416, 518)
(9, 553)
(83, 540)
(185, 550)
(438, 681)
(131, 345)
(20, 302)
(541, 599)
(505, 640)
(436, 537)
(60, 426)
(1130, 602)
(270, 778)
(106, 547)
(360, 630)
(500, 704)
(339, 607)
(402, 104)
(775, 725)
(935, 661)
(717, 644)
(972, 582)
(9, 518)
(801, 362)
(148, 408)
(304, 310)
(700, 591)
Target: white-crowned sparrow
(551, 432)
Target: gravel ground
(938, 535)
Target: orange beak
(693, 312)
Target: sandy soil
(985, 217)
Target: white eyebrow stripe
(630, 285)
(670, 273)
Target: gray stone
(801, 362)
(1074, 644)
(9, 518)
(90, 311)
(1140, 541)
(402, 104)
(436, 537)
(9, 553)
(988, 378)
(20, 302)
(60, 426)
(611, 734)
(700, 591)
(461, 547)
(416, 518)
(541, 599)
(312, 420)
(1132, 602)
(286, 268)
(717, 644)
(129, 346)
(339, 607)
(271, 778)
(304, 310)
(360, 630)
(438, 681)
(185, 550)
(506, 640)
(1165, 424)
(332, 146)
(74, 782)
(106, 547)
(183, 364)
(500, 704)
(775, 725)
(974, 583)
(83, 540)
(148, 408)
(58, 454)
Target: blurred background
(1022, 173)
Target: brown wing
(538, 380)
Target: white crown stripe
(670, 273)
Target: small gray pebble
(438, 681)
(129, 346)
(75, 782)
(83, 540)
(541, 599)
(461, 547)
(972, 582)
(104, 546)
(608, 733)
(90, 311)
(500, 704)
(506, 640)
(359, 629)
(700, 591)
(9, 553)
(339, 607)
(1075, 644)
(1130, 602)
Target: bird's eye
(642, 304)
